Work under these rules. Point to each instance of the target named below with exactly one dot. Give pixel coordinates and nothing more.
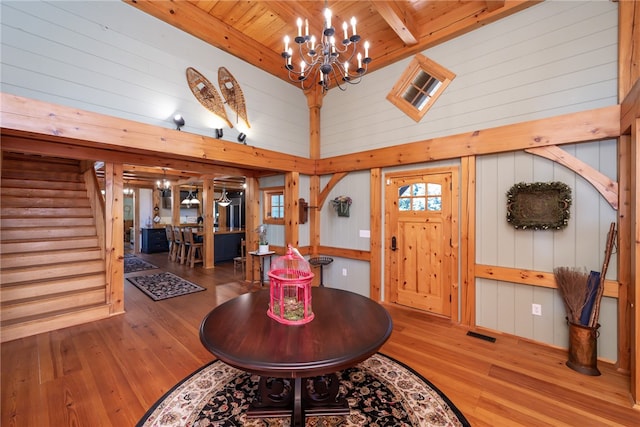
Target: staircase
(52, 268)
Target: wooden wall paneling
(454, 249)
(208, 203)
(634, 279)
(314, 214)
(389, 210)
(175, 204)
(252, 217)
(155, 195)
(625, 303)
(314, 102)
(630, 108)
(628, 46)
(376, 248)
(137, 221)
(114, 242)
(629, 176)
(97, 205)
(291, 210)
(468, 241)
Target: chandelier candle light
(324, 59)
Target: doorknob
(394, 243)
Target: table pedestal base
(317, 396)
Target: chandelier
(164, 184)
(326, 59)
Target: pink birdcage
(290, 286)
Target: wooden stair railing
(52, 268)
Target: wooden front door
(419, 240)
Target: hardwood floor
(108, 373)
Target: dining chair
(180, 255)
(194, 251)
(242, 259)
(172, 246)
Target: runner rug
(381, 391)
(164, 285)
(133, 264)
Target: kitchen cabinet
(226, 245)
(154, 240)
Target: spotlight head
(178, 120)
(242, 138)
(218, 133)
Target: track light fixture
(179, 121)
(218, 133)
(242, 138)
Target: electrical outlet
(536, 309)
(344, 271)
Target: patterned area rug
(381, 392)
(133, 264)
(164, 285)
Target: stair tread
(58, 295)
(52, 279)
(49, 251)
(40, 266)
(50, 315)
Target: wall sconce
(242, 138)
(218, 133)
(179, 121)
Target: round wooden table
(347, 329)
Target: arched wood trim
(605, 186)
(327, 188)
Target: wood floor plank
(109, 372)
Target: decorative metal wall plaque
(539, 205)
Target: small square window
(419, 86)
(273, 206)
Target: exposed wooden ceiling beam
(447, 27)
(399, 19)
(493, 5)
(119, 140)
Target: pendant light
(224, 200)
(190, 200)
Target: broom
(611, 236)
(572, 284)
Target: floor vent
(481, 336)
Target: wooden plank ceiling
(254, 30)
